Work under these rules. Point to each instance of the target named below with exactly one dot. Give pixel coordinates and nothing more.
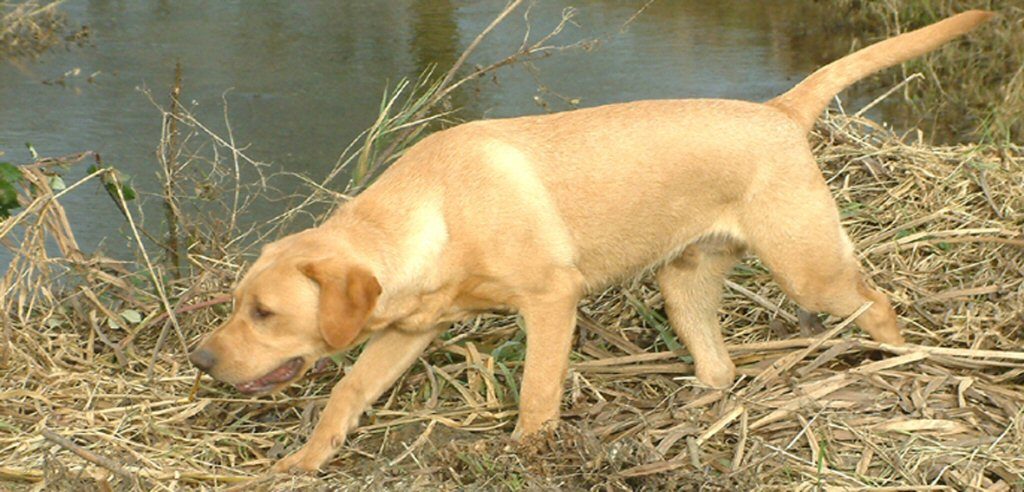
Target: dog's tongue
(283, 373)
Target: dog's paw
(306, 460)
(525, 429)
(295, 463)
(717, 376)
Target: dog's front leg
(549, 328)
(387, 355)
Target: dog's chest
(452, 302)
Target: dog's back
(626, 184)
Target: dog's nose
(202, 359)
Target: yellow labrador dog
(531, 214)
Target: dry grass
(28, 28)
(938, 228)
(96, 393)
(971, 92)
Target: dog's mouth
(284, 373)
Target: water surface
(302, 79)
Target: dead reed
(28, 28)
(976, 91)
(940, 229)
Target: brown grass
(970, 91)
(29, 28)
(96, 393)
(938, 228)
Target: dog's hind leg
(692, 287)
(793, 226)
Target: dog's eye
(261, 312)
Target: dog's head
(290, 309)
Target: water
(302, 79)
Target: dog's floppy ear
(347, 297)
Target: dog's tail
(805, 102)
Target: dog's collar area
(284, 373)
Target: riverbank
(974, 93)
(939, 229)
(29, 28)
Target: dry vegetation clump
(96, 392)
(28, 28)
(91, 396)
(975, 91)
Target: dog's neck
(402, 247)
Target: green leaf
(31, 150)
(57, 183)
(510, 380)
(125, 181)
(8, 199)
(851, 209)
(112, 179)
(131, 315)
(656, 320)
(510, 351)
(128, 192)
(9, 172)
